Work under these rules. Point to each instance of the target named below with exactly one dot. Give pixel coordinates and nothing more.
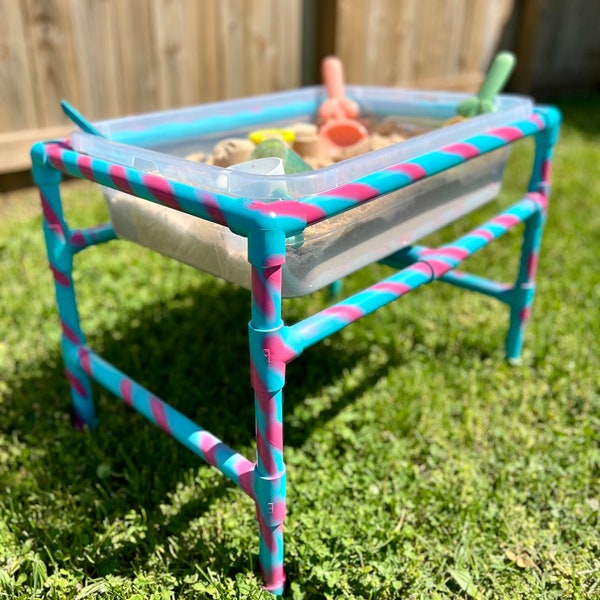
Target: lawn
(420, 464)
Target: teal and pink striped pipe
(267, 375)
(273, 344)
(291, 216)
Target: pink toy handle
(337, 106)
(333, 77)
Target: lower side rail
(426, 265)
(203, 443)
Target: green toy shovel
(495, 80)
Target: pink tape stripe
(274, 260)
(463, 149)
(59, 277)
(77, 239)
(84, 164)
(126, 390)
(439, 267)
(210, 445)
(532, 262)
(212, 206)
(546, 165)
(508, 134)
(279, 351)
(267, 407)
(161, 189)
(261, 286)
(525, 314)
(506, 221)
(346, 313)
(279, 511)
(538, 120)
(454, 252)
(274, 427)
(355, 191)
(55, 156)
(84, 360)
(413, 170)
(274, 434)
(51, 216)
(118, 175)
(246, 479)
(389, 287)
(275, 577)
(76, 384)
(159, 413)
(69, 333)
(486, 234)
(540, 198)
(307, 213)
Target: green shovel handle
(497, 76)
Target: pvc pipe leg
(60, 258)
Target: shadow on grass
(72, 485)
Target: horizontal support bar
(461, 279)
(443, 259)
(334, 318)
(203, 443)
(476, 283)
(83, 238)
(432, 264)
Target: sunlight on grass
(420, 464)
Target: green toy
(495, 80)
(292, 163)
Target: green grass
(420, 464)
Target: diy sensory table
(287, 235)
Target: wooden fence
(442, 44)
(558, 45)
(117, 57)
(113, 57)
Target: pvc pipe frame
(273, 344)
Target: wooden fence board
(17, 104)
(454, 31)
(286, 54)
(229, 48)
(172, 53)
(53, 58)
(350, 38)
(568, 44)
(98, 65)
(408, 42)
(139, 84)
(406, 15)
(207, 66)
(257, 73)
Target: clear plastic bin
(329, 249)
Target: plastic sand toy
(338, 114)
(282, 234)
(494, 82)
